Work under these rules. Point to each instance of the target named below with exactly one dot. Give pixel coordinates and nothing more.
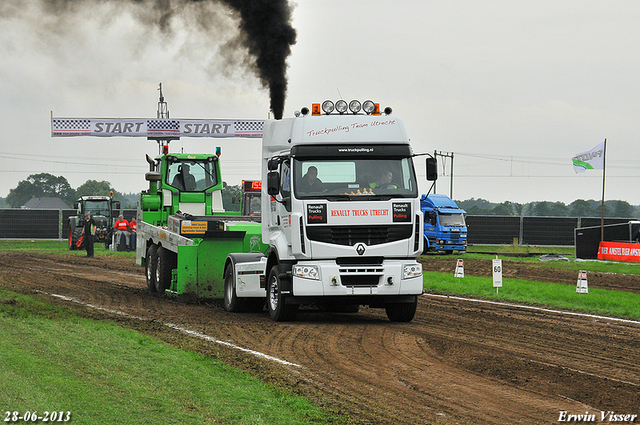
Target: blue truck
(444, 227)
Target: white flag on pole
(592, 159)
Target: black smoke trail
(265, 28)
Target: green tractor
(103, 210)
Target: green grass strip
(56, 247)
(53, 360)
(597, 301)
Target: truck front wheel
(150, 267)
(402, 312)
(231, 301)
(278, 309)
(236, 304)
(166, 262)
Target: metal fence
(39, 224)
(550, 231)
(483, 229)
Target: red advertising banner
(619, 251)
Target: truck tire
(166, 262)
(72, 243)
(236, 304)
(278, 308)
(77, 236)
(402, 312)
(150, 267)
(231, 300)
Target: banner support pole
(604, 169)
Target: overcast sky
(512, 89)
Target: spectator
(89, 229)
(122, 227)
(133, 229)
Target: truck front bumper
(326, 278)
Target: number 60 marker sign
(497, 273)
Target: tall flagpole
(604, 169)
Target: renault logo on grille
(360, 248)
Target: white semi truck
(340, 215)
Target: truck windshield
(347, 177)
(452, 220)
(192, 175)
(96, 208)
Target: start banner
(619, 251)
(155, 128)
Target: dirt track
(459, 361)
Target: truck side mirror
(75, 205)
(432, 169)
(273, 183)
(273, 163)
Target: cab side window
(285, 184)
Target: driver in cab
(184, 180)
(310, 181)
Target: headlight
(307, 272)
(411, 270)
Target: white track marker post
(459, 269)
(497, 274)
(582, 286)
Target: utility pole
(436, 154)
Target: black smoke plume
(265, 28)
(266, 24)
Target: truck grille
(351, 235)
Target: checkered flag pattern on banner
(248, 126)
(163, 126)
(80, 125)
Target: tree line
(578, 208)
(45, 185)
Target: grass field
(101, 373)
(553, 295)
